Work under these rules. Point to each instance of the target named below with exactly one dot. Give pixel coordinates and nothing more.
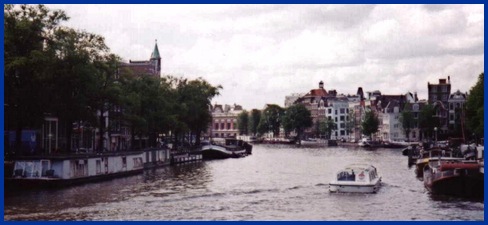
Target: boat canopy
(358, 173)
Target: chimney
(321, 85)
(448, 79)
(360, 93)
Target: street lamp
(435, 130)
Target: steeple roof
(155, 53)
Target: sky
(261, 53)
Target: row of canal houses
(347, 111)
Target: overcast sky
(261, 53)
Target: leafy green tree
(327, 126)
(195, 98)
(370, 124)
(428, 120)
(407, 120)
(81, 70)
(297, 118)
(350, 122)
(270, 120)
(475, 108)
(316, 129)
(254, 121)
(27, 30)
(243, 122)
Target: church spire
(155, 53)
(156, 58)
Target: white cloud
(261, 53)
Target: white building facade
(337, 110)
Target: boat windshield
(346, 176)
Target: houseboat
(230, 148)
(33, 172)
(156, 157)
(186, 157)
(436, 153)
(454, 177)
(356, 178)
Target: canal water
(275, 183)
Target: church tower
(156, 59)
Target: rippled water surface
(275, 183)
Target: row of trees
(71, 74)
(296, 118)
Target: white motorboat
(364, 142)
(356, 178)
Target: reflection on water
(275, 183)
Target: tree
(270, 120)
(475, 108)
(370, 124)
(297, 118)
(407, 120)
(428, 120)
(27, 31)
(254, 121)
(195, 98)
(243, 122)
(81, 76)
(350, 122)
(326, 127)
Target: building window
(216, 126)
(228, 126)
(330, 111)
(222, 126)
(342, 110)
(342, 118)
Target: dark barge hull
(214, 154)
(54, 183)
(458, 186)
(464, 183)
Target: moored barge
(33, 172)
